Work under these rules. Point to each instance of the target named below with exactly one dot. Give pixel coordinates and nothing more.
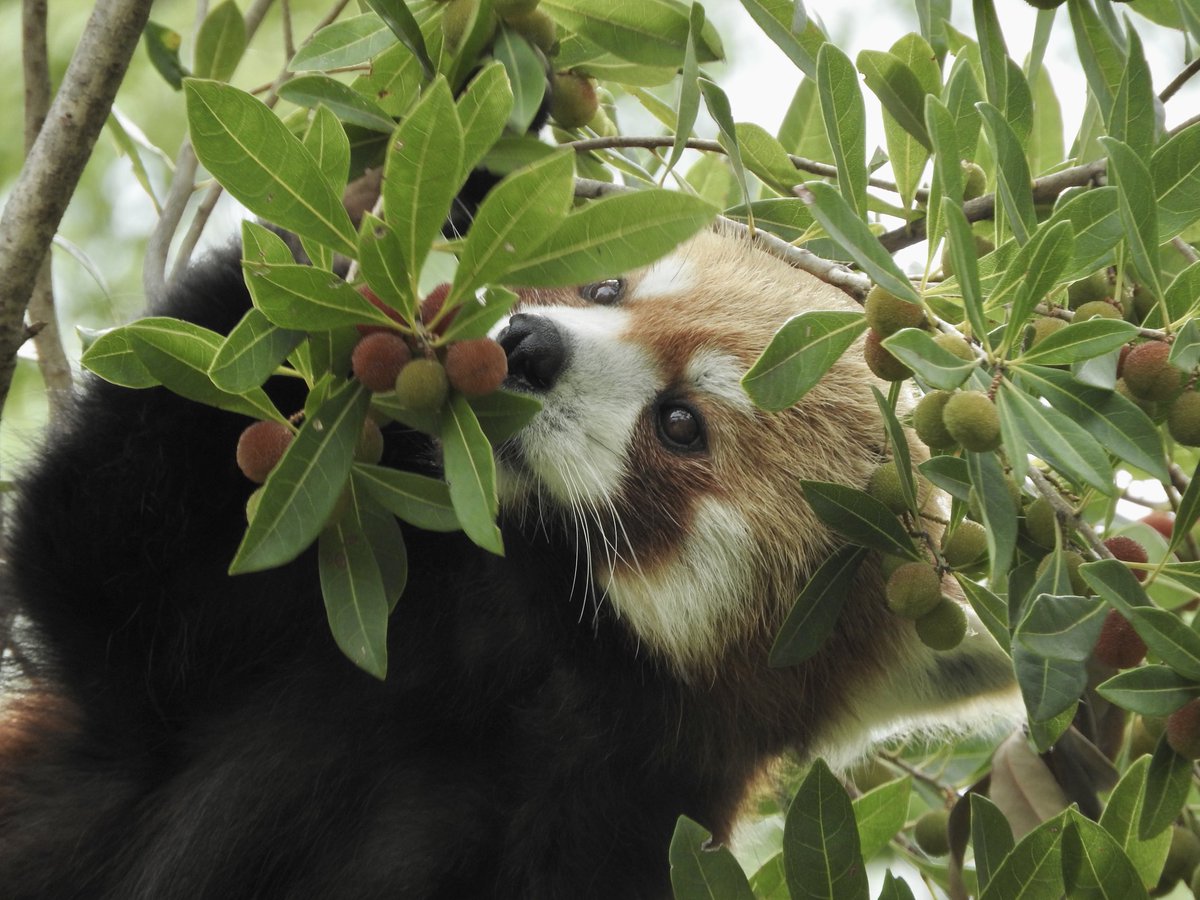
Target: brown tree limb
(52, 169)
(1180, 80)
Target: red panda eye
(604, 293)
(679, 427)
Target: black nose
(536, 351)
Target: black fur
(210, 741)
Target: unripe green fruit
(889, 563)
(377, 360)
(509, 9)
(476, 367)
(881, 362)
(1144, 735)
(930, 833)
(1041, 328)
(1072, 560)
(1183, 419)
(928, 424)
(1183, 730)
(974, 180)
(1096, 286)
(537, 28)
(422, 385)
(913, 590)
(884, 486)
(573, 99)
(1119, 645)
(1041, 522)
(1149, 375)
(982, 248)
(972, 420)
(943, 627)
(252, 504)
(260, 448)
(952, 343)
(456, 21)
(1097, 309)
(1182, 859)
(369, 447)
(965, 545)
(886, 313)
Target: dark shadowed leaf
(1168, 781)
(400, 20)
(1062, 627)
(417, 499)
(822, 855)
(1094, 865)
(858, 517)
(933, 363)
(991, 837)
(815, 613)
(355, 600)
(700, 871)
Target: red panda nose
(536, 351)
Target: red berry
(476, 367)
(432, 305)
(382, 307)
(1183, 730)
(260, 448)
(1162, 522)
(1119, 645)
(1148, 374)
(1128, 550)
(378, 359)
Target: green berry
(369, 447)
(1096, 286)
(537, 28)
(881, 362)
(974, 180)
(509, 9)
(1041, 522)
(1072, 560)
(886, 313)
(952, 343)
(1041, 328)
(422, 385)
(457, 19)
(965, 545)
(913, 590)
(972, 420)
(930, 834)
(573, 100)
(252, 504)
(884, 486)
(943, 627)
(1097, 309)
(1183, 419)
(928, 423)
(982, 248)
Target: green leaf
(1168, 781)
(400, 20)
(393, 81)
(786, 217)
(1188, 511)
(999, 515)
(821, 851)
(1048, 686)
(471, 474)
(966, 267)
(799, 355)
(1132, 118)
(1103, 63)
(1139, 213)
(700, 871)
(1097, 227)
(423, 173)
(251, 353)
(962, 94)
(765, 157)
(932, 363)
(845, 124)
(516, 217)
(689, 88)
(355, 601)
(502, 414)
(345, 43)
(774, 17)
(650, 32)
(387, 543)
(416, 499)
(349, 105)
(1175, 167)
(1080, 340)
(1057, 439)
(815, 613)
(610, 236)
(1013, 181)
(178, 355)
(1064, 628)
(898, 90)
(1185, 351)
(947, 170)
(381, 262)
(991, 838)
(1173, 642)
(162, 45)
(526, 75)
(326, 140)
(991, 610)
(264, 165)
(858, 517)
(475, 318)
(302, 490)
(112, 357)
(1095, 866)
(802, 131)
(220, 42)
(880, 814)
(483, 110)
(898, 440)
(1033, 869)
(308, 299)
(848, 229)
(717, 104)
(1149, 690)
(1122, 813)
(1049, 250)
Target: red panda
(549, 714)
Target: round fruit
(1096, 286)
(1040, 522)
(943, 627)
(1119, 645)
(369, 447)
(252, 504)
(1183, 419)
(1072, 560)
(381, 306)
(457, 19)
(1097, 309)
(966, 544)
(476, 367)
(956, 345)
(377, 360)
(1183, 730)
(1148, 375)
(1162, 522)
(422, 385)
(930, 833)
(1127, 549)
(889, 563)
(913, 590)
(884, 486)
(974, 180)
(928, 424)
(1143, 302)
(1041, 328)
(260, 448)
(982, 248)
(431, 308)
(881, 362)
(972, 420)
(573, 99)
(886, 313)
(537, 28)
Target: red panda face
(684, 496)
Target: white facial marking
(670, 275)
(577, 446)
(689, 608)
(719, 375)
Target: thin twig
(1188, 251)
(1180, 80)
(1066, 514)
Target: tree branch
(52, 170)
(1180, 80)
